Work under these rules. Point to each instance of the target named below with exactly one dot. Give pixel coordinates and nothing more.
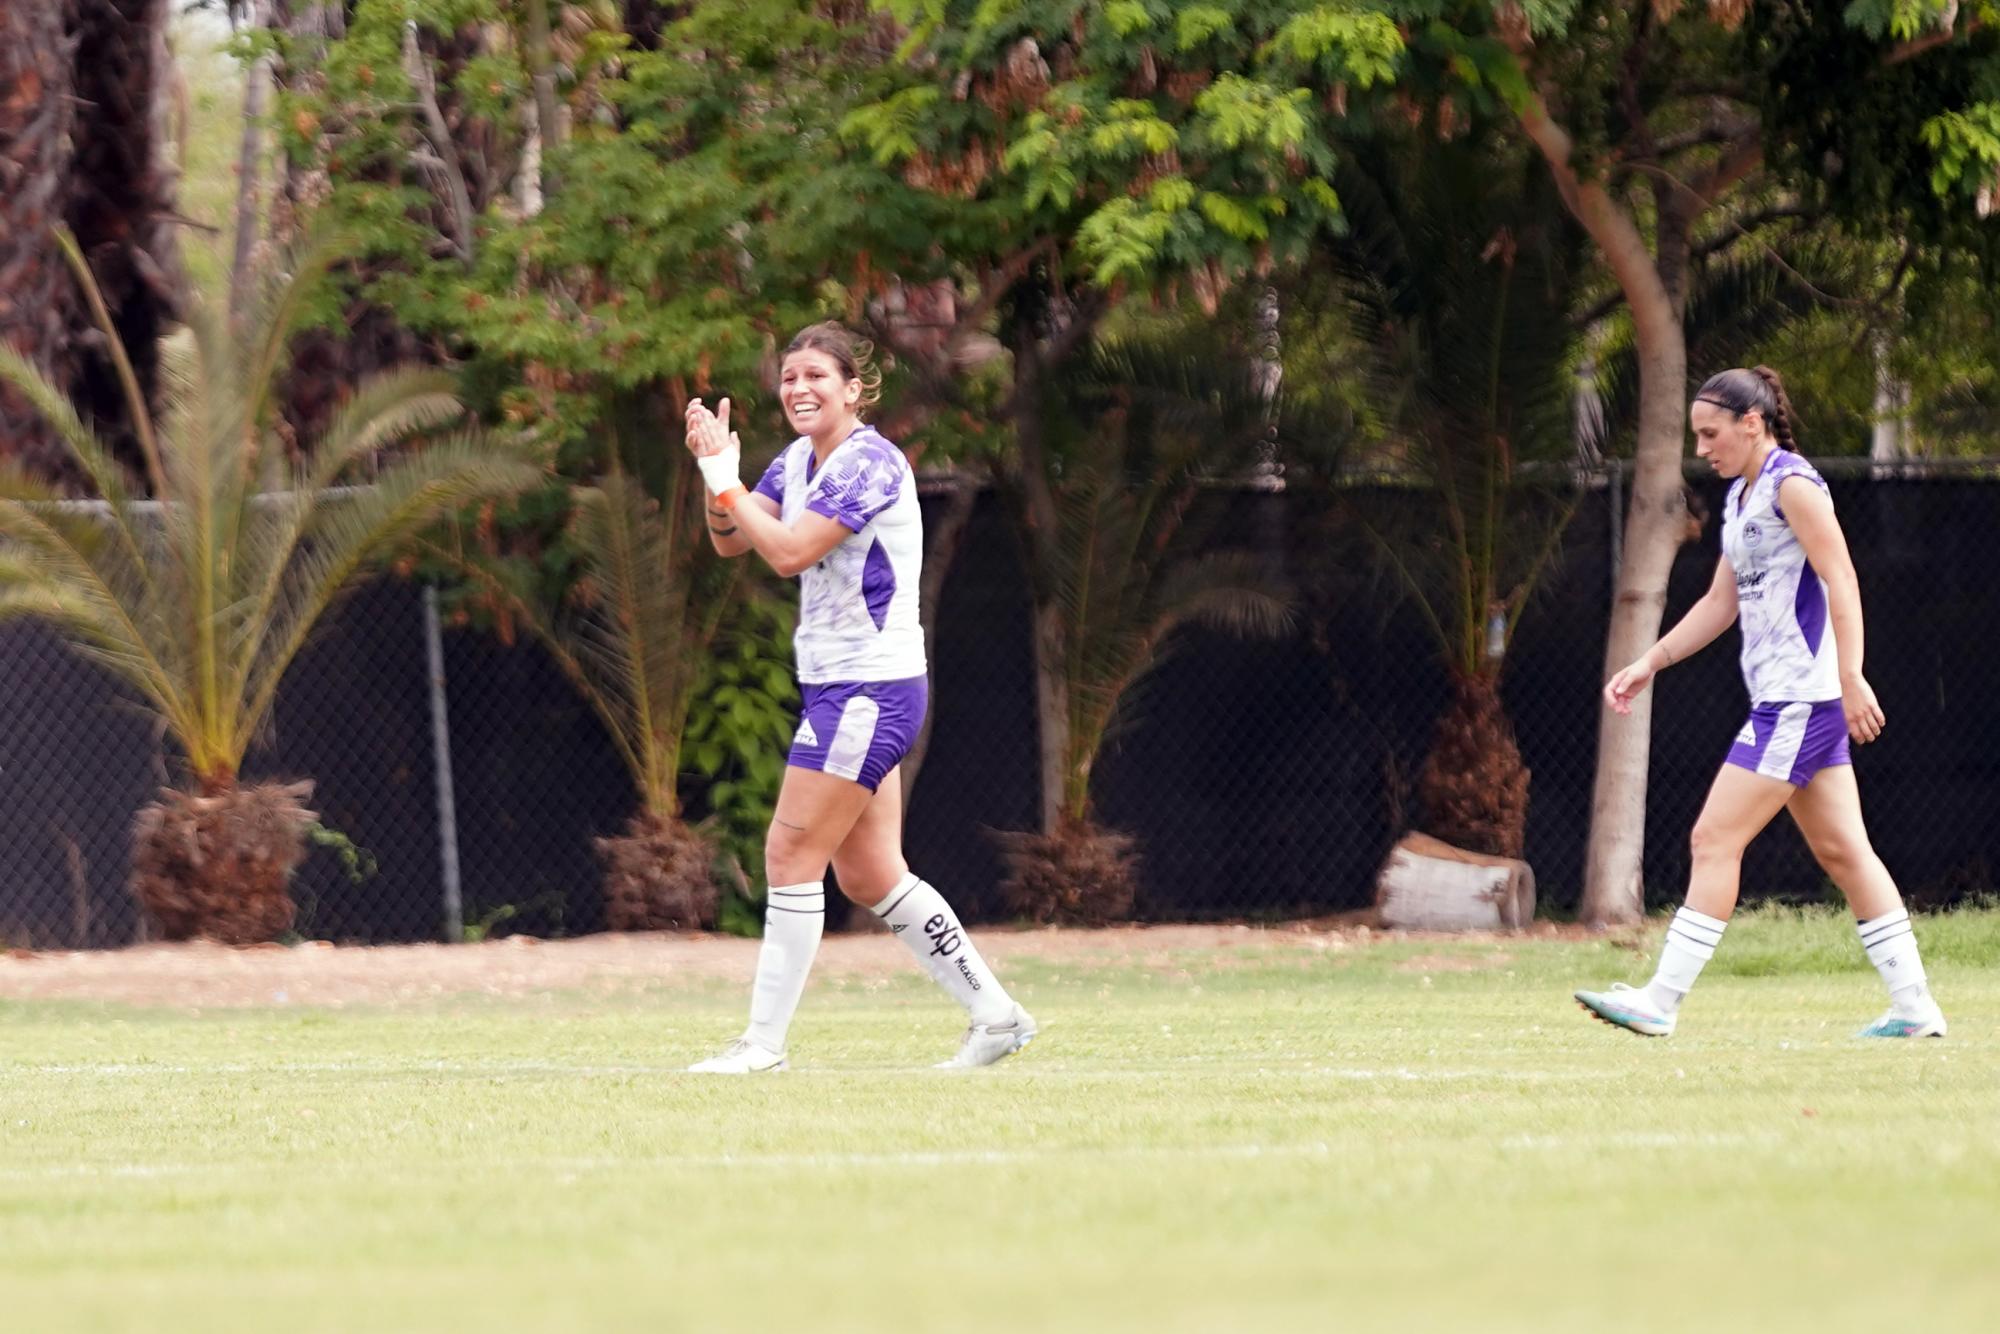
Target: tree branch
(1705, 135)
(459, 202)
(1740, 228)
(1930, 41)
(1628, 84)
(1609, 225)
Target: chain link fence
(1262, 779)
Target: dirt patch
(202, 975)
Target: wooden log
(1429, 885)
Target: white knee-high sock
(794, 920)
(1691, 941)
(925, 923)
(1892, 947)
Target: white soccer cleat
(1924, 1020)
(1629, 1008)
(741, 1057)
(986, 1043)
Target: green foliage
(1966, 145)
(738, 735)
(1053, 124)
(1901, 20)
(356, 862)
(202, 605)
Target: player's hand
(1864, 713)
(717, 450)
(1625, 684)
(707, 432)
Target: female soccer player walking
(838, 509)
(1786, 575)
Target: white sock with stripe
(925, 923)
(794, 921)
(1691, 940)
(1892, 947)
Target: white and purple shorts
(1792, 741)
(858, 730)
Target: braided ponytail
(1779, 419)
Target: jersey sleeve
(860, 485)
(772, 483)
(1791, 465)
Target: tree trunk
(1894, 437)
(1655, 526)
(249, 174)
(548, 123)
(1051, 713)
(38, 300)
(1474, 785)
(121, 203)
(1650, 278)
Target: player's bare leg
(815, 813)
(1740, 803)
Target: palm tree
(633, 635)
(201, 598)
(1456, 283)
(1106, 511)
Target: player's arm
(1809, 511)
(788, 548)
(1712, 613)
(725, 527)
(747, 520)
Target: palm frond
(362, 529)
(66, 550)
(1234, 592)
(633, 640)
(276, 315)
(92, 455)
(386, 409)
(135, 401)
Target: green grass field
(1398, 1135)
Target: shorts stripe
(1791, 740)
(1787, 734)
(848, 750)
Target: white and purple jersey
(1788, 649)
(858, 605)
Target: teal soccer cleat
(1629, 1008)
(1925, 1021)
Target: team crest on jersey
(1752, 533)
(806, 736)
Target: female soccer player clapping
(838, 510)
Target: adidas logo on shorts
(806, 736)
